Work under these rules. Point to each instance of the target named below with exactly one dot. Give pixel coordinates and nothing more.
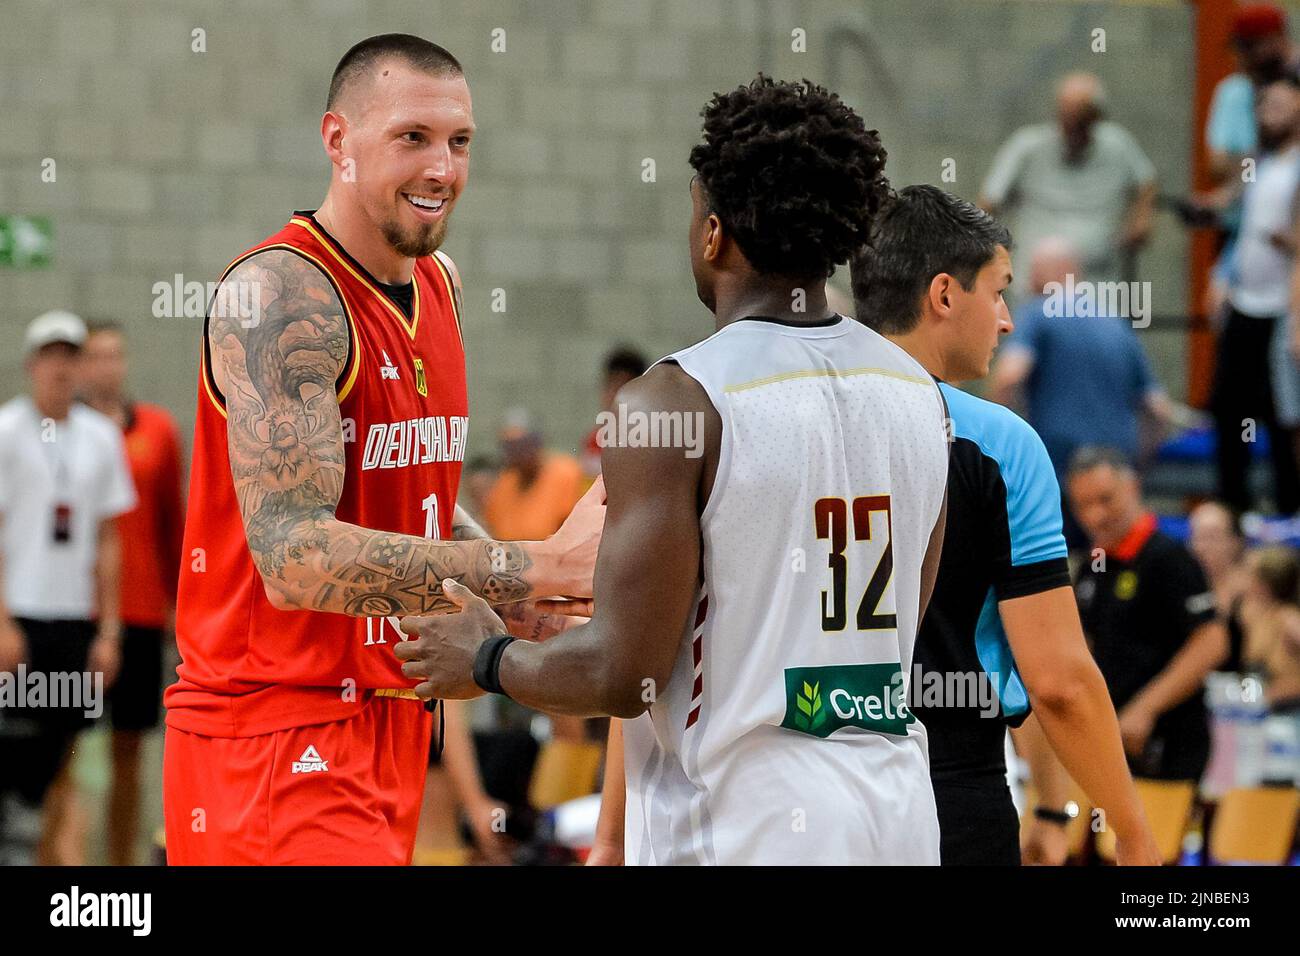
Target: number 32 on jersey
(835, 519)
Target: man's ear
(714, 238)
(333, 126)
(939, 294)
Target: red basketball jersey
(248, 668)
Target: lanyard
(59, 455)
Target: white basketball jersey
(783, 735)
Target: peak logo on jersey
(310, 762)
(822, 700)
(388, 369)
(421, 385)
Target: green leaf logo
(810, 706)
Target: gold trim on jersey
(387, 303)
(443, 266)
(401, 693)
(351, 374)
(204, 372)
(828, 373)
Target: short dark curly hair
(792, 173)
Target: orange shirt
(151, 532)
(515, 513)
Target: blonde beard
(424, 243)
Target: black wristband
(487, 663)
(1051, 815)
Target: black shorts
(978, 822)
(135, 699)
(34, 739)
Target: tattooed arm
(646, 583)
(277, 371)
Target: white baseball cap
(57, 325)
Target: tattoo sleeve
(277, 373)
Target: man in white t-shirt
(1082, 178)
(63, 482)
(1259, 298)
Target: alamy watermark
(56, 690)
(624, 428)
(237, 300)
(963, 690)
(1086, 300)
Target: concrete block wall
(173, 161)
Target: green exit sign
(26, 242)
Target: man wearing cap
(63, 482)
(1265, 53)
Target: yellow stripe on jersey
(383, 299)
(207, 385)
(451, 294)
(828, 373)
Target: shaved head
(1077, 92)
(360, 64)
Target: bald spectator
(1079, 380)
(1083, 178)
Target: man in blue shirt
(1082, 378)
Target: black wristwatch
(1062, 817)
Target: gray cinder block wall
(173, 161)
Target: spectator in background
(476, 483)
(1259, 292)
(151, 548)
(1272, 647)
(1219, 544)
(1081, 381)
(63, 483)
(621, 366)
(536, 489)
(1149, 616)
(1265, 54)
(1083, 178)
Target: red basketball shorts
(341, 793)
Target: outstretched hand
(578, 541)
(443, 649)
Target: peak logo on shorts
(310, 762)
(822, 700)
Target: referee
(1002, 631)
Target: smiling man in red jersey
(328, 446)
